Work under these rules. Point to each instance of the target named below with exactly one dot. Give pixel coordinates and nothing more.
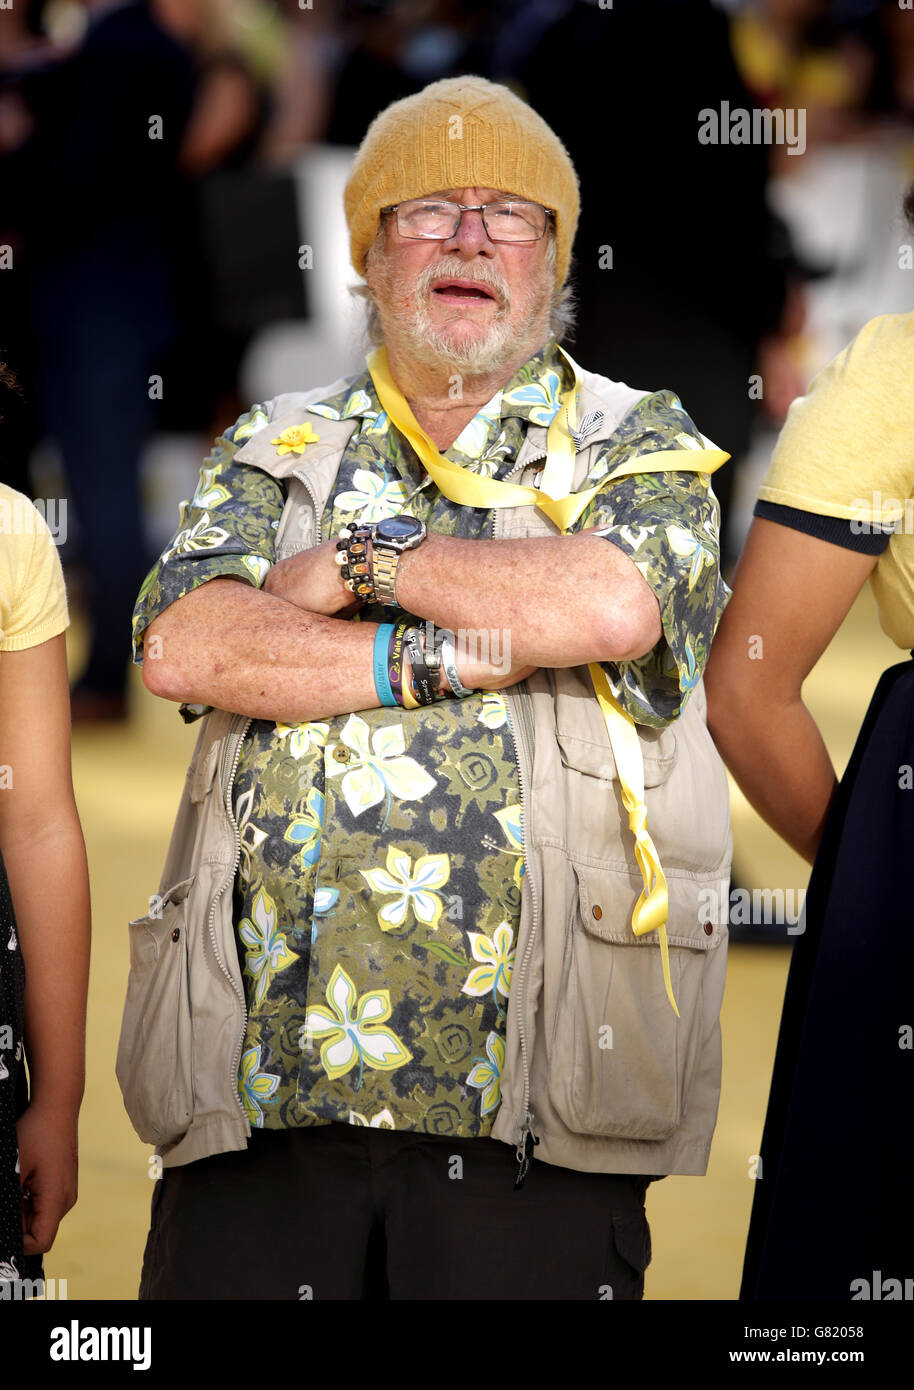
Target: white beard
(472, 356)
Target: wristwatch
(390, 538)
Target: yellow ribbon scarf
(563, 507)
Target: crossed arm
(287, 652)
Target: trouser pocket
(631, 1236)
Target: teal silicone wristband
(381, 678)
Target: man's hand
(47, 1138)
(482, 675)
(312, 580)
(564, 600)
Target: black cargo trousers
(341, 1211)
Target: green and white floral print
(377, 898)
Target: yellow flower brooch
(295, 439)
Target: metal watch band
(384, 574)
(385, 558)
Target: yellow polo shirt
(33, 598)
(847, 450)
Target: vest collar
(321, 459)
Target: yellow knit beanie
(462, 132)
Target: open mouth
(460, 291)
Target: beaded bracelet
(354, 557)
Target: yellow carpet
(128, 783)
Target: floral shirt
(377, 899)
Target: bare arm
(560, 600)
(224, 113)
(563, 599)
(234, 647)
(283, 653)
(45, 858)
(243, 649)
(791, 592)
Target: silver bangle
(449, 662)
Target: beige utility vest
(596, 1064)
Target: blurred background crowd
(173, 244)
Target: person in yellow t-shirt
(44, 899)
(835, 511)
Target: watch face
(397, 528)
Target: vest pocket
(621, 1062)
(155, 1051)
(580, 732)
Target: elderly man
(396, 950)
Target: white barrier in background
(295, 356)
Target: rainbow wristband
(381, 677)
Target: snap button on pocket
(597, 911)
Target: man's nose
(470, 237)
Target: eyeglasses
(431, 219)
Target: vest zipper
(305, 482)
(222, 887)
(228, 783)
(528, 1139)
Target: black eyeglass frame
(474, 207)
